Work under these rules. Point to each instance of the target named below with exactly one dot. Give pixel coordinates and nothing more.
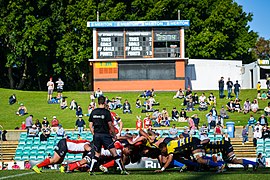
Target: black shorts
(91, 153)
(228, 148)
(59, 90)
(196, 144)
(61, 148)
(103, 139)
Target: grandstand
(263, 146)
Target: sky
(261, 15)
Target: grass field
(36, 103)
(239, 174)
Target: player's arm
(91, 127)
(168, 162)
(111, 128)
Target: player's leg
(56, 159)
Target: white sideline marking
(6, 177)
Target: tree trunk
(22, 81)
(39, 85)
(11, 80)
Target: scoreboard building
(138, 55)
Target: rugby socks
(73, 166)
(178, 164)
(44, 163)
(119, 163)
(109, 164)
(93, 163)
(247, 162)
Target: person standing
(80, 124)
(221, 87)
(59, 87)
(100, 125)
(229, 84)
(236, 89)
(29, 122)
(50, 85)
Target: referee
(100, 124)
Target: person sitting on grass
(264, 96)
(12, 99)
(237, 106)
(126, 107)
(267, 110)
(254, 106)
(230, 106)
(63, 103)
(179, 94)
(138, 103)
(251, 122)
(21, 110)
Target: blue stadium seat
(78, 156)
(19, 152)
(21, 142)
(218, 137)
(23, 135)
(41, 152)
(40, 157)
(35, 146)
(42, 147)
(34, 152)
(211, 137)
(18, 158)
(27, 147)
(25, 157)
(20, 146)
(260, 149)
(32, 157)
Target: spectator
(261, 160)
(190, 105)
(195, 99)
(212, 100)
(256, 135)
(148, 106)
(138, 103)
(204, 129)
(29, 122)
(226, 137)
(179, 94)
(63, 103)
(214, 112)
(237, 106)
(33, 132)
(191, 125)
(244, 135)
(45, 122)
(80, 124)
(153, 101)
(23, 126)
(139, 123)
(147, 122)
(219, 120)
(73, 105)
(12, 99)
(187, 99)
(268, 93)
(21, 110)
(183, 115)
(196, 120)
(175, 114)
(259, 87)
(230, 106)
(202, 98)
(118, 102)
(211, 120)
(229, 84)
(167, 122)
(92, 97)
(27, 165)
(218, 130)
(258, 126)
(98, 93)
(265, 132)
(251, 122)
(50, 85)
(38, 124)
(188, 92)
(126, 107)
(173, 131)
(221, 87)
(264, 96)
(223, 113)
(4, 135)
(164, 114)
(254, 106)
(15, 166)
(267, 110)
(112, 104)
(203, 106)
(185, 134)
(203, 135)
(55, 123)
(79, 111)
(59, 87)
(237, 89)
(60, 131)
(156, 115)
(263, 120)
(247, 106)
(45, 134)
(79, 137)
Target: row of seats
(263, 146)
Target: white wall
(205, 73)
(247, 75)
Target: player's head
(101, 100)
(163, 147)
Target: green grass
(232, 174)
(36, 103)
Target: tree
(262, 49)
